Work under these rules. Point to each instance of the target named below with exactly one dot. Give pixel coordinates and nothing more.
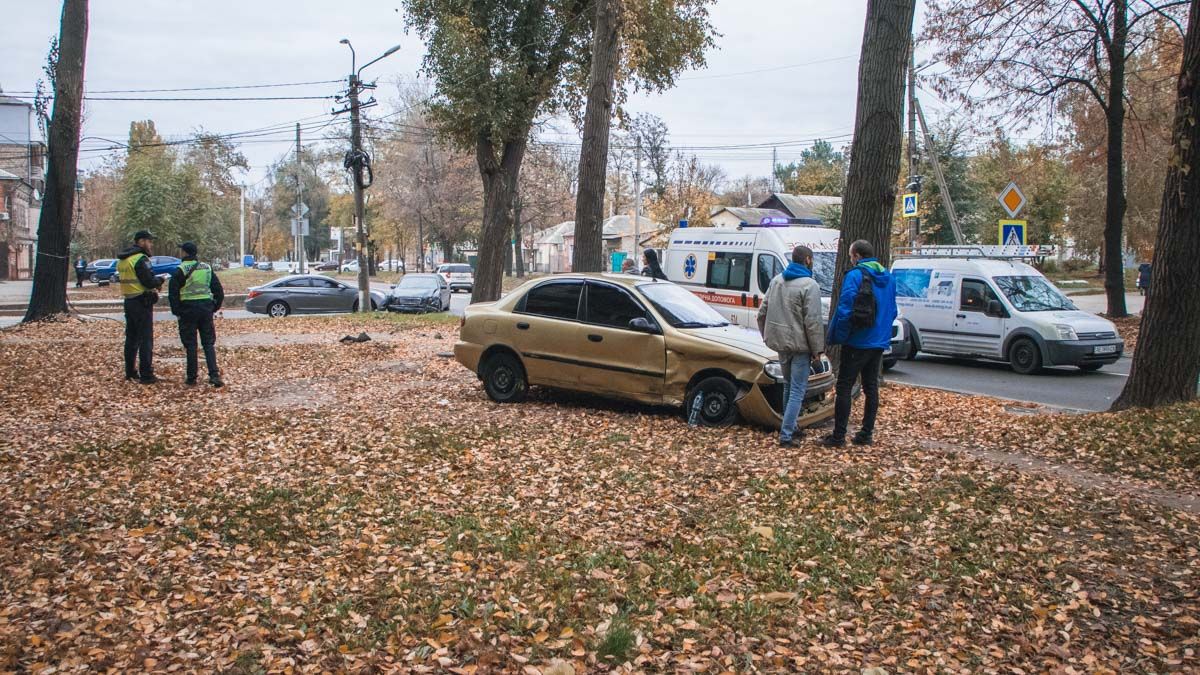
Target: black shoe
(832, 441)
(787, 444)
(191, 382)
(862, 439)
(148, 380)
(215, 381)
(130, 378)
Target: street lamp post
(358, 162)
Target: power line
(198, 98)
(163, 91)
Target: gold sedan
(632, 338)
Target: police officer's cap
(143, 234)
(188, 248)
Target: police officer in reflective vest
(196, 294)
(138, 287)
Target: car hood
(413, 292)
(1080, 320)
(745, 339)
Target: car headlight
(1065, 332)
(774, 370)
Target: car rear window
(557, 300)
(457, 269)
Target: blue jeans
(795, 369)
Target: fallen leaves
(322, 513)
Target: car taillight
(253, 294)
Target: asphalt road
(1060, 387)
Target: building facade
(22, 181)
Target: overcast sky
(807, 48)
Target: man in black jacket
(196, 294)
(138, 287)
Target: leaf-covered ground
(365, 508)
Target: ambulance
(730, 268)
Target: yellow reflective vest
(131, 287)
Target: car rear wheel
(374, 306)
(717, 398)
(1025, 357)
(504, 378)
(278, 309)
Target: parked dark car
(160, 265)
(100, 270)
(420, 293)
(307, 294)
(324, 266)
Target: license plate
(1105, 349)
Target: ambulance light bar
(975, 251)
(781, 221)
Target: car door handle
(596, 338)
(522, 326)
(960, 316)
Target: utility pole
(774, 159)
(242, 228)
(360, 207)
(937, 173)
(637, 200)
(299, 208)
(914, 224)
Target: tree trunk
(1114, 203)
(593, 156)
(49, 294)
(870, 200)
(518, 254)
(499, 174)
(1166, 365)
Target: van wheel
(888, 364)
(504, 378)
(1025, 357)
(718, 402)
(914, 342)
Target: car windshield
(417, 282)
(680, 307)
(824, 265)
(1033, 294)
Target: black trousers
(195, 321)
(139, 337)
(79, 277)
(855, 363)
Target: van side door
(729, 287)
(767, 267)
(978, 328)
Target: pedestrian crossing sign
(910, 205)
(1012, 232)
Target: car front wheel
(712, 402)
(1025, 357)
(504, 378)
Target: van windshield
(1033, 294)
(824, 264)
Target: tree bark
(49, 295)
(520, 259)
(870, 200)
(499, 173)
(597, 121)
(1114, 203)
(1166, 365)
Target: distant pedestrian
(1143, 278)
(628, 266)
(790, 321)
(196, 295)
(80, 270)
(652, 268)
(862, 324)
(139, 288)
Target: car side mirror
(641, 325)
(994, 308)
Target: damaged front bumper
(762, 402)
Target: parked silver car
(307, 294)
(420, 293)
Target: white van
(985, 302)
(730, 268)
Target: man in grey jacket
(790, 322)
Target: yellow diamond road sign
(1012, 199)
